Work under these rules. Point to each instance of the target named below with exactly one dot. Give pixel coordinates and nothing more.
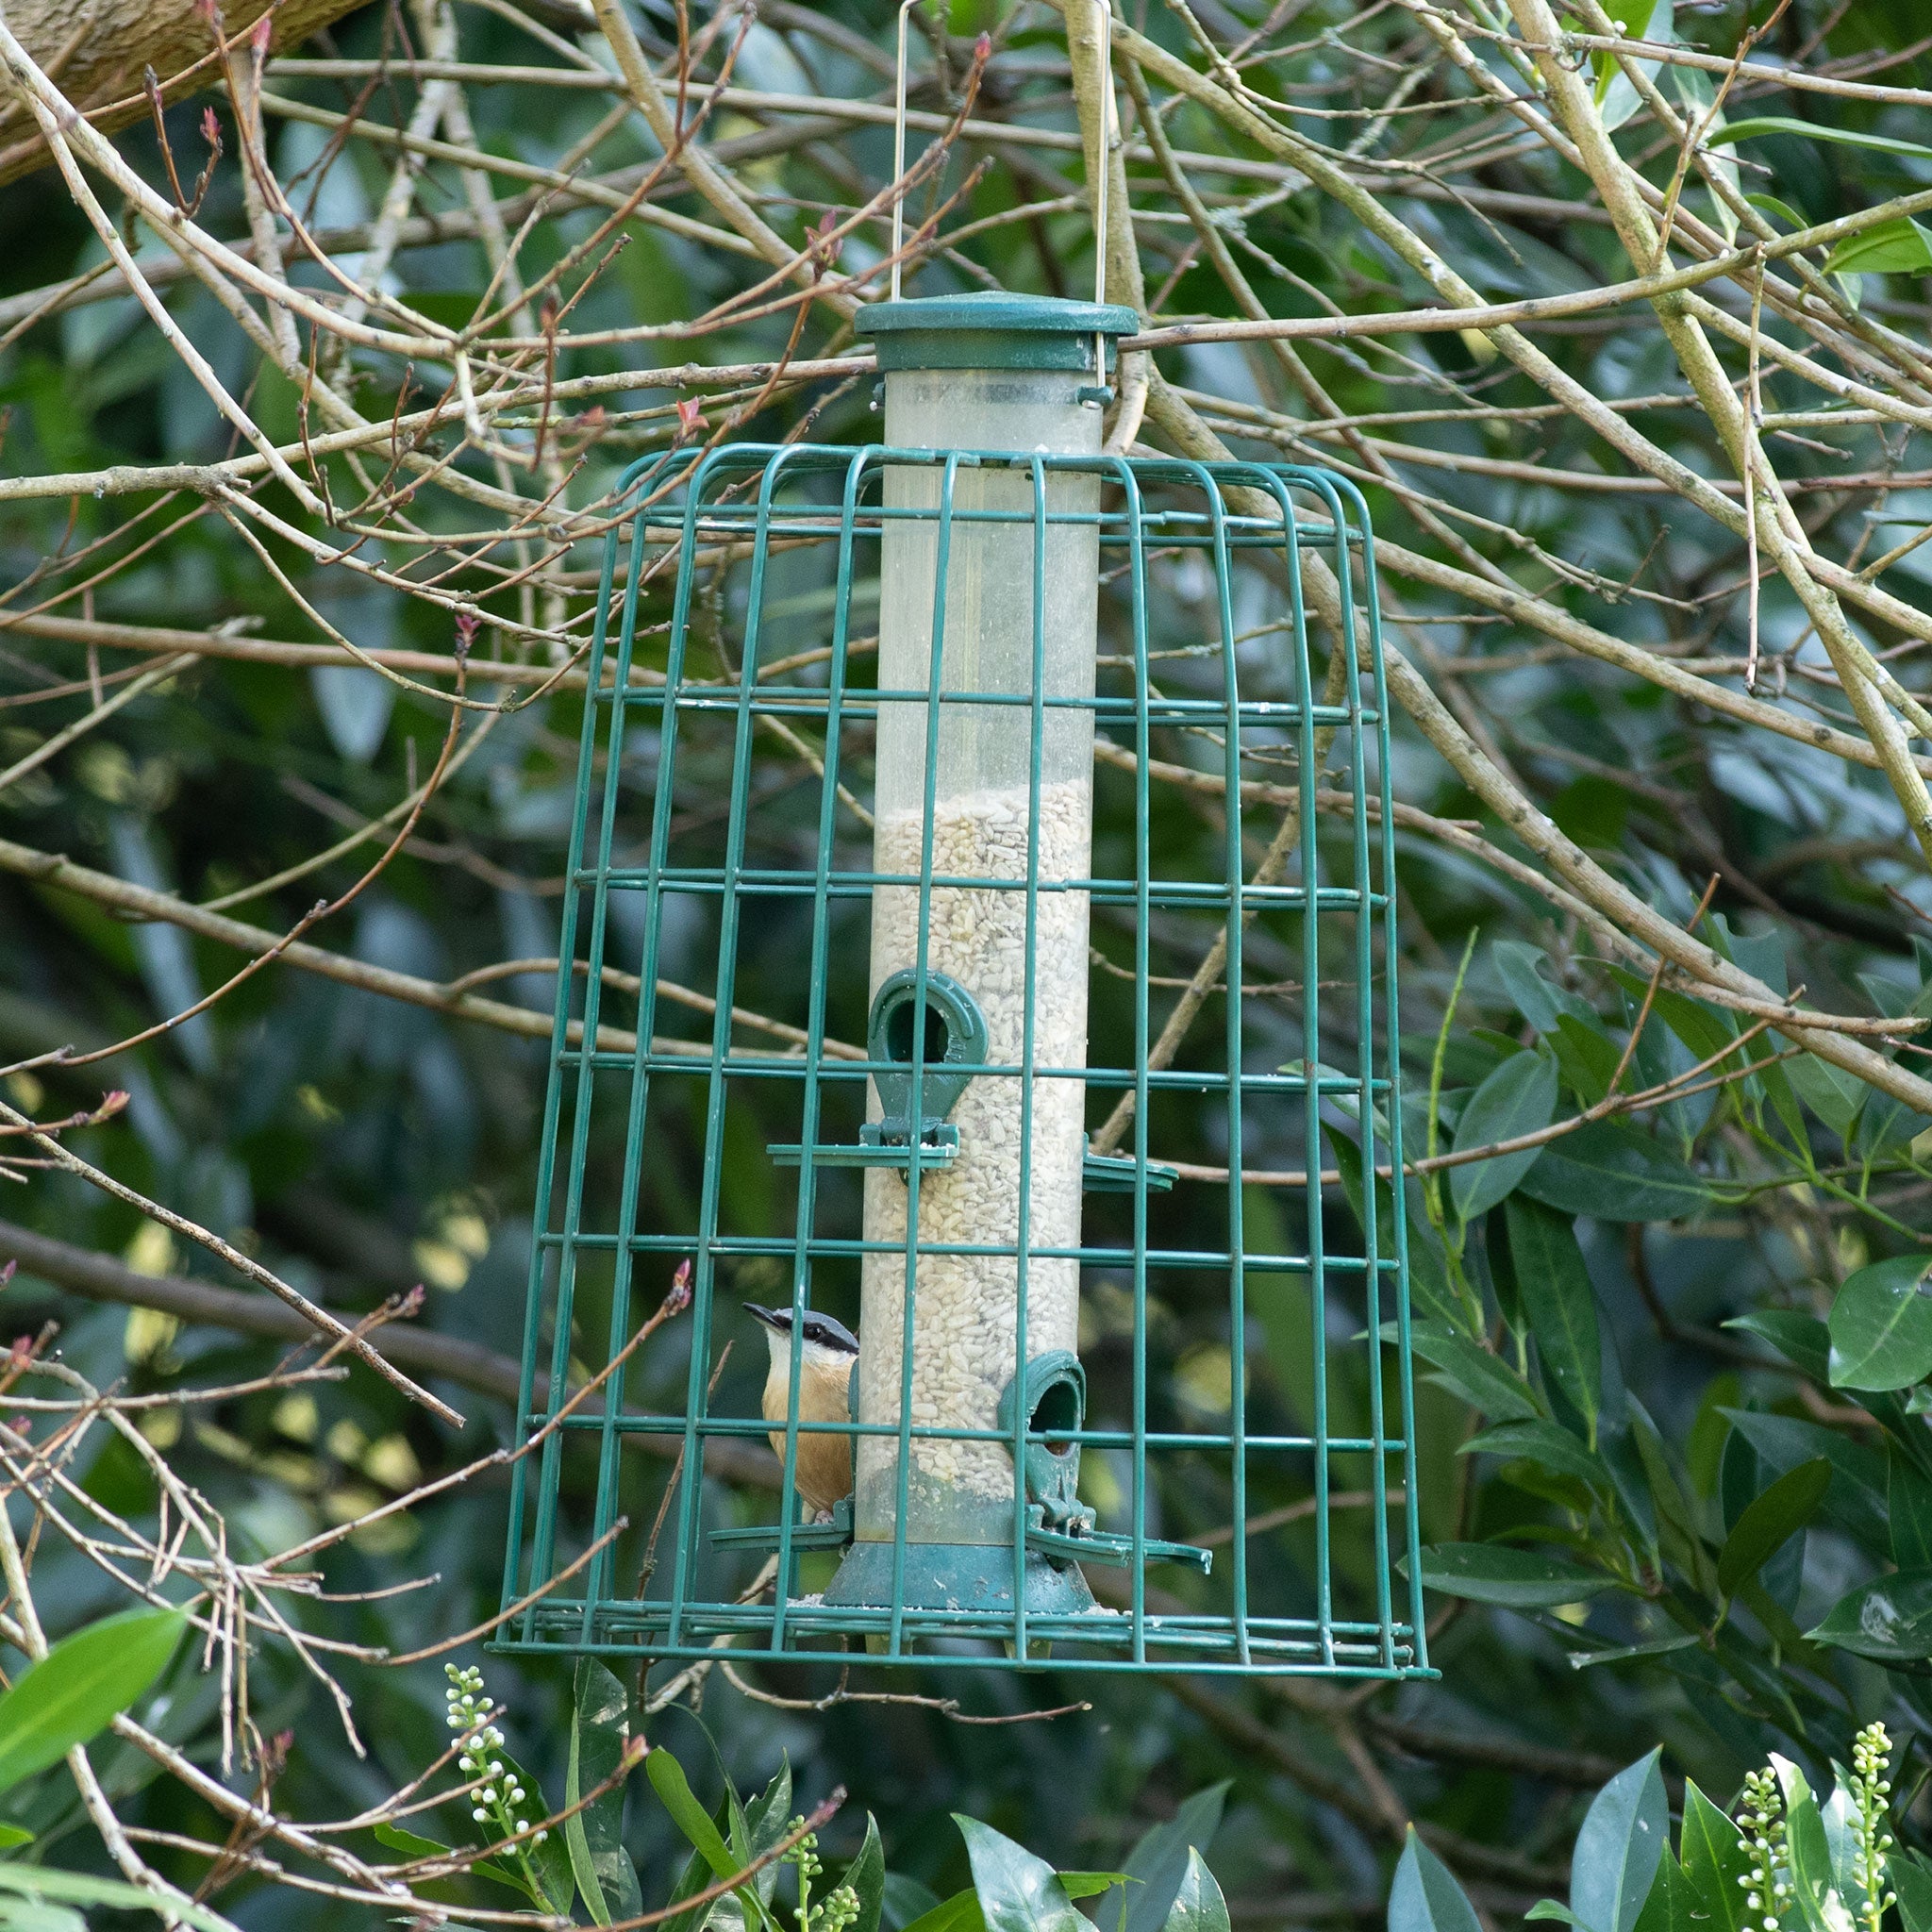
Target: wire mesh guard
(895, 850)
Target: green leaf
(13, 1836)
(1587, 1054)
(1706, 1031)
(1715, 1860)
(739, 1836)
(1624, 1835)
(38, 1915)
(1815, 1893)
(1849, 137)
(960, 1914)
(81, 1686)
(1771, 1612)
(1616, 96)
(1017, 1891)
(1700, 99)
(673, 1789)
(1704, 1028)
(599, 1735)
(1881, 1326)
(907, 1901)
(1614, 1172)
(750, 1832)
(1770, 1521)
(1540, 1001)
(1912, 1881)
(1839, 1815)
(1771, 205)
(1834, 1095)
(1555, 1913)
(1495, 1574)
(768, 1817)
(696, 1877)
(397, 1839)
(1428, 1273)
(1198, 1906)
(1673, 1904)
(1092, 1884)
(1802, 1340)
(1888, 1619)
(1519, 1097)
(1621, 1457)
(1484, 1380)
(83, 1889)
(1857, 1496)
(753, 1830)
(1546, 1443)
(546, 1868)
(1633, 1652)
(1502, 1275)
(1680, 1531)
(1425, 1896)
(1909, 1500)
(866, 1875)
(1633, 16)
(1159, 1861)
(1559, 1304)
(417, 1846)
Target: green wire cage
(897, 837)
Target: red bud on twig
(679, 1298)
(819, 245)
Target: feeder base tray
(958, 1577)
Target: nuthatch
(826, 1352)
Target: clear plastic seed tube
(976, 822)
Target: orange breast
(824, 1467)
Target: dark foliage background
(1637, 1317)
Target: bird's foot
(821, 1516)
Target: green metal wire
(614, 1222)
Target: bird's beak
(771, 1318)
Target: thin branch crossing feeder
(894, 952)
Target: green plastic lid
(992, 329)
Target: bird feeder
(863, 1015)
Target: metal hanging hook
(905, 6)
(1109, 135)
